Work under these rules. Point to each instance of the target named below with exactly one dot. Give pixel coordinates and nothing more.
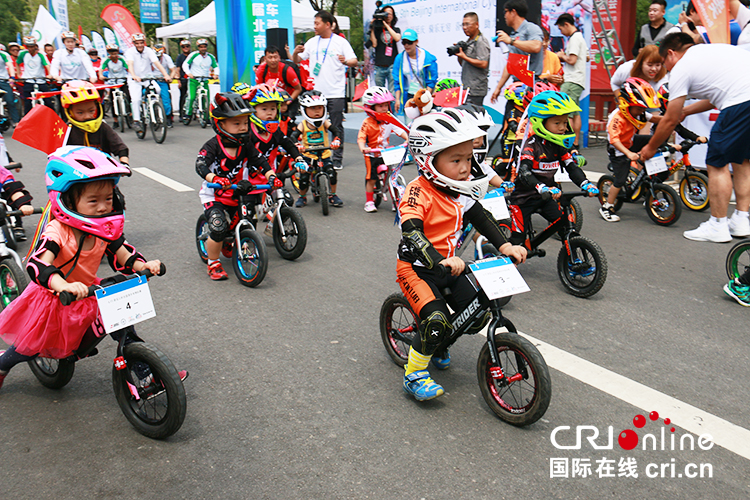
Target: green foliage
(10, 19)
(641, 14)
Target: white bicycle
(152, 112)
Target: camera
(453, 49)
(379, 16)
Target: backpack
(282, 69)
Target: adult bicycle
(118, 102)
(152, 111)
(200, 108)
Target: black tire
(186, 117)
(694, 191)
(323, 193)
(142, 132)
(576, 215)
(524, 400)
(128, 113)
(664, 209)
(296, 234)
(738, 259)
(160, 409)
(604, 184)
(52, 373)
(203, 117)
(576, 274)
(201, 228)
(121, 123)
(398, 326)
(159, 123)
(13, 281)
(10, 236)
(378, 198)
(250, 259)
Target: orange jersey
(375, 134)
(441, 214)
(620, 129)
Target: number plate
(125, 304)
(656, 165)
(392, 156)
(498, 277)
(495, 204)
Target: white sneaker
(608, 213)
(709, 232)
(269, 229)
(370, 207)
(739, 227)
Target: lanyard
(411, 68)
(317, 49)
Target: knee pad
(217, 224)
(332, 175)
(304, 180)
(434, 329)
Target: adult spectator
(185, 49)
(166, 95)
(475, 61)
(70, 62)
(649, 66)
(656, 29)
(328, 57)
(717, 74)
(49, 51)
(280, 74)
(7, 72)
(33, 69)
(384, 36)
(526, 38)
(413, 69)
(140, 60)
(574, 65)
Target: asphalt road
(291, 393)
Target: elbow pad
(12, 187)
(21, 201)
(415, 246)
(127, 267)
(39, 271)
(524, 177)
(201, 167)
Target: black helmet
(228, 105)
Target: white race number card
(124, 304)
(498, 277)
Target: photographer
(383, 38)
(474, 57)
(526, 38)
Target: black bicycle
(146, 383)
(320, 176)
(513, 377)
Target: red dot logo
(627, 439)
(639, 421)
(654, 415)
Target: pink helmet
(376, 95)
(71, 165)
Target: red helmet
(539, 87)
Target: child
(432, 214)
(228, 158)
(514, 107)
(541, 156)
(88, 220)
(314, 133)
(286, 117)
(83, 108)
(374, 133)
(635, 103)
(13, 192)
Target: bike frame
(317, 169)
(563, 223)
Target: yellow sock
(417, 362)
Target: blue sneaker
(421, 386)
(442, 363)
(335, 200)
(739, 292)
(301, 202)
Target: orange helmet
(637, 92)
(79, 91)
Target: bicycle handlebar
(258, 187)
(67, 298)
(18, 213)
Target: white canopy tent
(204, 22)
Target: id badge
(388, 51)
(316, 69)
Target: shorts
(621, 163)
(574, 91)
(422, 286)
(729, 141)
(371, 167)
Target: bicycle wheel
(250, 259)
(157, 407)
(52, 373)
(583, 271)
(159, 122)
(738, 259)
(141, 132)
(294, 242)
(520, 389)
(398, 326)
(604, 184)
(203, 113)
(322, 181)
(118, 109)
(128, 113)
(10, 236)
(576, 215)
(201, 235)
(694, 191)
(378, 194)
(13, 282)
(663, 208)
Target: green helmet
(446, 83)
(547, 104)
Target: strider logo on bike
(470, 309)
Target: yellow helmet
(77, 91)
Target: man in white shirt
(329, 55)
(167, 64)
(718, 75)
(71, 63)
(141, 62)
(574, 64)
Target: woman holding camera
(383, 38)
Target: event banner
(59, 10)
(98, 41)
(715, 17)
(86, 41)
(178, 11)
(123, 23)
(150, 11)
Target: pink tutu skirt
(37, 323)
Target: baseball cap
(410, 35)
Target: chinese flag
(41, 129)
(359, 90)
(518, 66)
(448, 98)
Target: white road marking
(179, 187)
(725, 434)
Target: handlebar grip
(67, 298)
(18, 213)
(441, 270)
(162, 269)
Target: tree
(10, 21)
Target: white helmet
(434, 132)
(314, 98)
(484, 121)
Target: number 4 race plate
(125, 304)
(498, 277)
